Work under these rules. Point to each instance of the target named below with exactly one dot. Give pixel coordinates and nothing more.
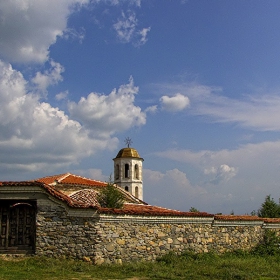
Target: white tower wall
(128, 172)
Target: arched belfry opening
(136, 171)
(128, 170)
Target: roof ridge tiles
(66, 179)
(79, 176)
(63, 177)
(237, 218)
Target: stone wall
(60, 234)
(101, 238)
(128, 241)
(62, 229)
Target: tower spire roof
(128, 153)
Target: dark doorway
(17, 226)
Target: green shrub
(270, 245)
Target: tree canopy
(269, 208)
(193, 209)
(111, 197)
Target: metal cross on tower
(128, 141)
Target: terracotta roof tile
(271, 220)
(237, 218)
(75, 200)
(86, 197)
(49, 189)
(68, 178)
(149, 210)
(71, 179)
(50, 179)
(77, 180)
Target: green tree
(269, 245)
(193, 209)
(111, 197)
(269, 209)
(254, 213)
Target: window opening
(126, 171)
(136, 171)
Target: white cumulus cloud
(62, 95)
(175, 103)
(259, 112)
(107, 114)
(222, 174)
(151, 109)
(29, 27)
(35, 135)
(51, 76)
(248, 173)
(173, 189)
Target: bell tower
(128, 170)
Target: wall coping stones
(83, 213)
(155, 219)
(271, 225)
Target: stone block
(99, 261)
(169, 240)
(110, 247)
(161, 234)
(120, 241)
(118, 261)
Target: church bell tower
(128, 170)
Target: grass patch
(186, 266)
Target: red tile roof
(237, 218)
(68, 178)
(129, 209)
(149, 210)
(49, 189)
(74, 180)
(86, 197)
(271, 220)
(50, 179)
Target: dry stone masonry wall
(133, 241)
(107, 239)
(61, 235)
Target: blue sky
(195, 84)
